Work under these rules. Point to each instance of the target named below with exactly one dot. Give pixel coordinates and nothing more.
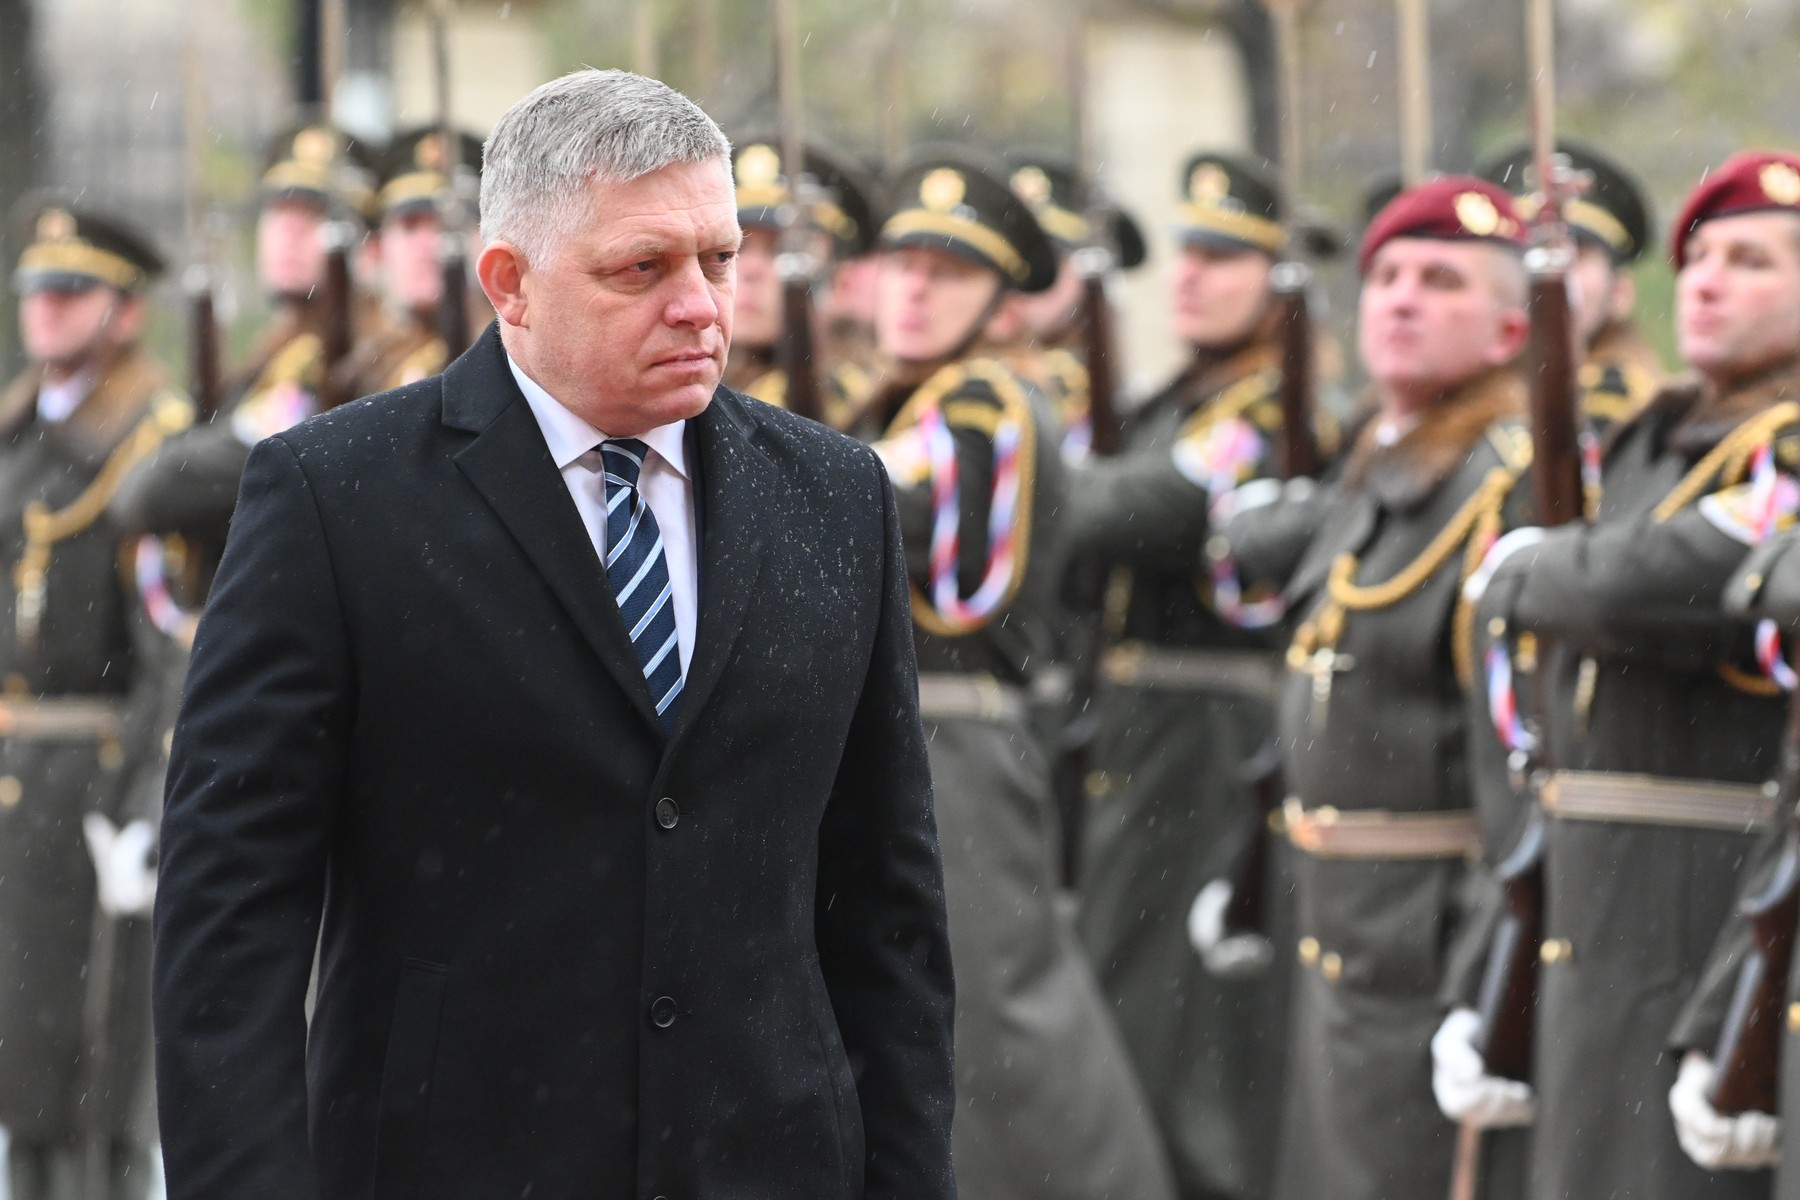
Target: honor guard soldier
(1371, 713)
(1611, 223)
(1054, 320)
(1050, 1106)
(74, 1014)
(844, 224)
(1184, 693)
(410, 206)
(1663, 734)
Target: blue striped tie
(639, 573)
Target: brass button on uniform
(1753, 581)
(1308, 951)
(1554, 951)
(1098, 783)
(11, 791)
(668, 813)
(1794, 1018)
(662, 1012)
(1332, 967)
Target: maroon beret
(1754, 181)
(1450, 208)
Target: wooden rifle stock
(1556, 450)
(1105, 428)
(339, 326)
(204, 385)
(1748, 1058)
(799, 362)
(453, 301)
(1299, 438)
(1508, 997)
(1249, 873)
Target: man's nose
(694, 302)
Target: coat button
(1331, 966)
(1555, 951)
(662, 1012)
(668, 813)
(1794, 1018)
(1307, 951)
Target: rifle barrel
(1748, 1057)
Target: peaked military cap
(845, 209)
(1450, 208)
(959, 202)
(415, 170)
(70, 250)
(1611, 213)
(1754, 181)
(1060, 199)
(1230, 203)
(318, 163)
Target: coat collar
(509, 463)
(1402, 475)
(1692, 416)
(101, 421)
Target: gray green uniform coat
(1048, 1107)
(1361, 1122)
(1639, 905)
(1167, 809)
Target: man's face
(1600, 291)
(1049, 314)
(66, 330)
(629, 321)
(855, 290)
(930, 302)
(1217, 295)
(409, 258)
(290, 247)
(1737, 301)
(1431, 316)
(757, 313)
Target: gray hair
(605, 126)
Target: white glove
(1237, 957)
(1713, 1140)
(122, 864)
(1460, 1080)
(1508, 545)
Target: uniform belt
(66, 720)
(943, 696)
(1376, 833)
(1246, 673)
(1653, 800)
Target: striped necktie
(638, 570)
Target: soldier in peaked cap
(91, 404)
(1371, 714)
(1050, 1106)
(1061, 200)
(1611, 223)
(1662, 732)
(1184, 697)
(843, 220)
(417, 176)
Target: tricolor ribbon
(1229, 602)
(946, 499)
(1503, 701)
(1078, 442)
(1772, 658)
(1773, 496)
(153, 585)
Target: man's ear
(127, 320)
(501, 268)
(1510, 339)
(1007, 324)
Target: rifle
(1748, 1057)
(204, 384)
(339, 233)
(453, 253)
(798, 263)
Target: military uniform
(70, 672)
(1184, 699)
(843, 216)
(1048, 1104)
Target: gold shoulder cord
(1013, 405)
(293, 363)
(770, 387)
(1473, 527)
(422, 363)
(169, 414)
(1726, 464)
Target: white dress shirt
(58, 401)
(664, 481)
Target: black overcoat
(558, 958)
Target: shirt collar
(569, 437)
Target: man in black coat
(594, 924)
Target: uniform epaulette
(1512, 442)
(1245, 398)
(976, 394)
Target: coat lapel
(737, 483)
(509, 463)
